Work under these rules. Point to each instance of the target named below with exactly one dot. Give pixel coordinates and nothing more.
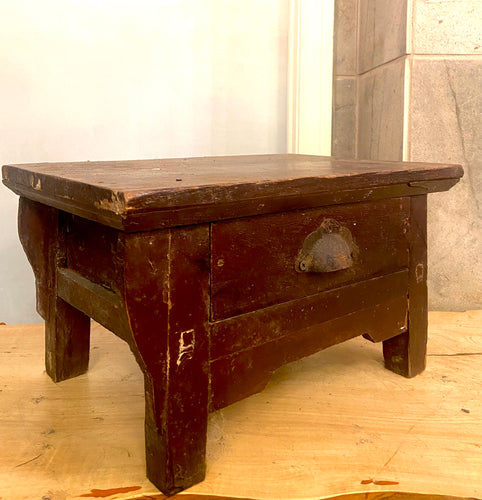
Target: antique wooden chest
(218, 270)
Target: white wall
(105, 79)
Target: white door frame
(310, 76)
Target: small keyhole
(302, 266)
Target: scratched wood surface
(266, 248)
(149, 194)
(336, 423)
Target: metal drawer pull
(329, 248)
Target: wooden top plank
(117, 193)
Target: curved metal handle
(329, 248)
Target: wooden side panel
(258, 327)
(247, 372)
(166, 294)
(95, 252)
(37, 228)
(253, 259)
(406, 353)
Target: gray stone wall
(408, 85)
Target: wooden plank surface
(144, 194)
(235, 377)
(266, 248)
(274, 322)
(336, 423)
(183, 173)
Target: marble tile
(380, 112)
(344, 116)
(446, 126)
(344, 43)
(441, 27)
(382, 32)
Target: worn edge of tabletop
(149, 208)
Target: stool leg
(175, 431)
(405, 354)
(167, 299)
(67, 341)
(67, 330)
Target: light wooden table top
(336, 423)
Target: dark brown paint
(267, 247)
(143, 194)
(97, 493)
(192, 263)
(406, 353)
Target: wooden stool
(217, 271)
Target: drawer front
(261, 261)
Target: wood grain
(95, 251)
(265, 248)
(37, 227)
(322, 426)
(378, 495)
(247, 372)
(264, 325)
(145, 267)
(166, 295)
(42, 231)
(405, 354)
(149, 194)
